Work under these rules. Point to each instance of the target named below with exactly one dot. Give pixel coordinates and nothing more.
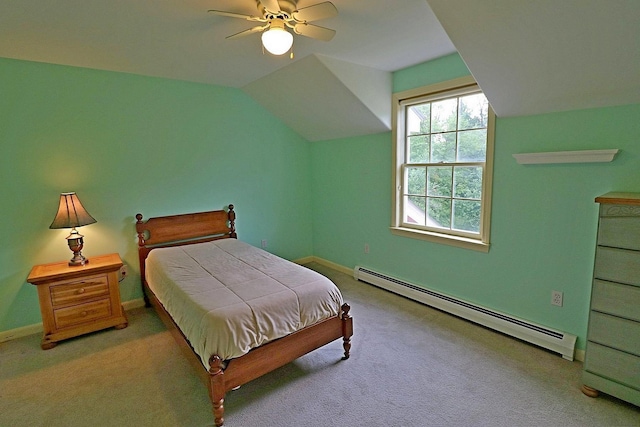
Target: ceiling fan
(276, 16)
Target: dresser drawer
(619, 226)
(615, 298)
(617, 265)
(79, 291)
(70, 316)
(620, 232)
(615, 332)
(616, 365)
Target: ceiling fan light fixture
(277, 40)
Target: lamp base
(77, 260)
(76, 243)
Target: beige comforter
(228, 297)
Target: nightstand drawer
(88, 312)
(79, 291)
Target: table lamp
(72, 214)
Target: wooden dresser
(612, 363)
(76, 300)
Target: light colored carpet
(410, 366)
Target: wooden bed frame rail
(225, 375)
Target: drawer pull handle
(81, 291)
(84, 314)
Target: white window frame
(401, 100)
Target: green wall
(129, 144)
(544, 217)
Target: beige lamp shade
(71, 213)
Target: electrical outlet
(366, 248)
(123, 272)
(556, 298)
(263, 243)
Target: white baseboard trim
(579, 354)
(543, 336)
(37, 328)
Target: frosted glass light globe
(277, 40)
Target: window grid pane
(444, 115)
(419, 119)
(415, 210)
(466, 215)
(443, 147)
(467, 182)
(439, 212)
(472, 145)
(439, 181)
(416, 178)
(418, 148)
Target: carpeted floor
(410, 366)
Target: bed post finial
(232, 222)
(140, 231)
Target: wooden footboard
(273, 355)
(227, 375)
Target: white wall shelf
(583, 156)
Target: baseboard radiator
(556, 341)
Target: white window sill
(459, 242)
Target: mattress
(228, 297)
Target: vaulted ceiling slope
(533, 57)
(178, 39)
(324, 98)
(529, 57)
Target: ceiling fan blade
(271, 5)
(314, 31)
(256, 29)
(236, 15)
(316, 12)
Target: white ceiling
(528, 56)
(533, 57)
(178, 39)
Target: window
(443, 137)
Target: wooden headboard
(184, 229)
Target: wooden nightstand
(76, 300)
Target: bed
(238, 312)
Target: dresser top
(615, 198)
